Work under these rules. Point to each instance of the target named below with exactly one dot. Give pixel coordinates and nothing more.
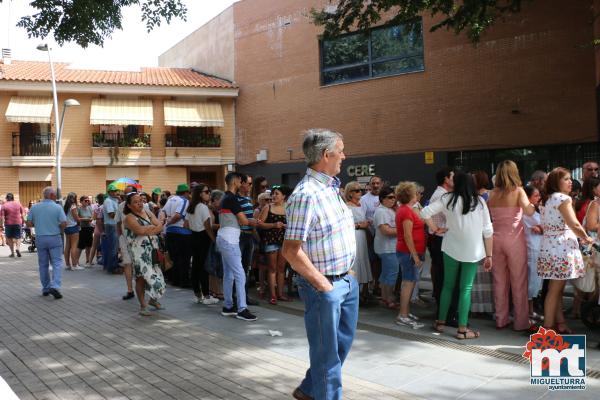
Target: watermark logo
(557, 361)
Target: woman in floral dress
(559, 258)
(141, 229)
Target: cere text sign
(361, 170)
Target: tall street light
(67, 103)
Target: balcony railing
(30, 144)
(201, 140)
(121, 140)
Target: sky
(128, 49)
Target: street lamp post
(57, 123)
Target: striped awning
(36, 110)
(121, 112)
(192, 113)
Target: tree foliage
(88, 22)
(471, 16)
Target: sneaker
(246, 315)
(413, 317)
(18, 253)
(207, 301)
(12, 255)
(54, 292)
(197, 299)
(78, 268)
(228, 312)
(406, 321)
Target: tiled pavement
(90, 346)
(93, 345)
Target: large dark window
(388, 50)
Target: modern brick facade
(530, 81)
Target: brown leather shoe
(300, 395)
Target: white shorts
(125, 257)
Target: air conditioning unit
(261, 155)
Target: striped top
(318, 216)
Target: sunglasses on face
(390, 197)
(356, 190)
(263, 186)
(205, 191)
(592, 169)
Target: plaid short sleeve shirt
(317, 215)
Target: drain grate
(413, 337)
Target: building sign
(429, 157)
(360, 170)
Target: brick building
(526, 90)
(160, 126)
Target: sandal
(144, 312)
(565, 329)
(155, 304)
(273, 301)
(439, 326)
(468, 334)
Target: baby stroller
(31, 248)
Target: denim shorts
(389, 268)
(71, 230)
(269, 248)
(12, 231)
(410, 271)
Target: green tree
(88, 22)
(471, 16)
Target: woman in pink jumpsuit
(507, 203)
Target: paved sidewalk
(94, 342)
(92, 346)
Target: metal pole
(58, 129)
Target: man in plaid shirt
(320, 246)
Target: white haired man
(320, 246)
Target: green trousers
(467, 276)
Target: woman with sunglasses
(141, 230)
(259, 186)
(384, 245)
(198, 221)
(362, 265)
(273, 231)
(86, 234)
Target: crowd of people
(495, 246)
(217, 241)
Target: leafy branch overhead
(88, 22)
(471, 16)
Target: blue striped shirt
(318, 216)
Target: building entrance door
(31, 191)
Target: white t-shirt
(197, 219)
(384, 243)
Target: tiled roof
(35, 71)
